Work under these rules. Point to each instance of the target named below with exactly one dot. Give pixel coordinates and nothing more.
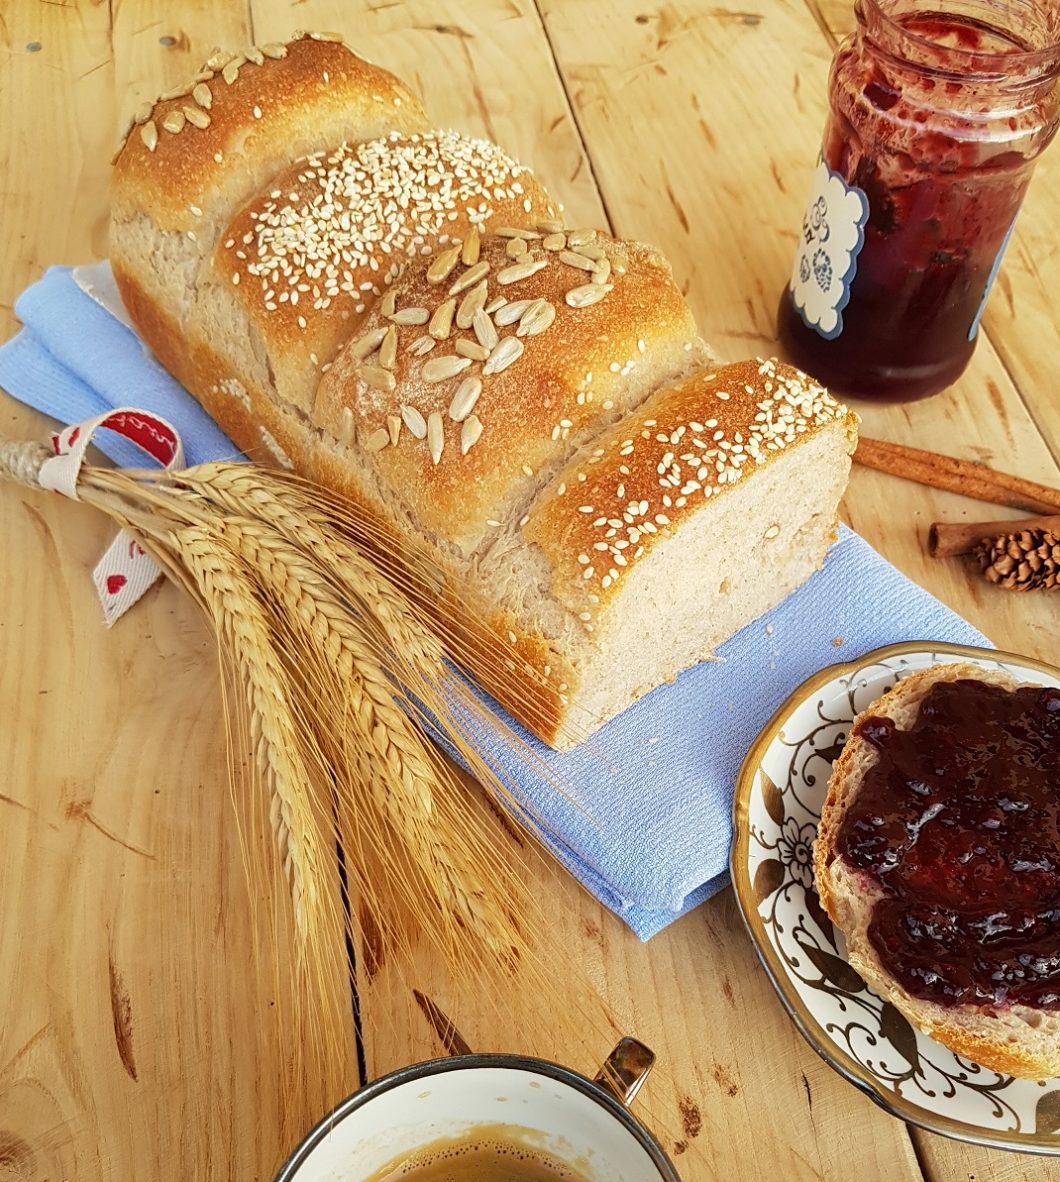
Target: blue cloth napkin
(644, 819)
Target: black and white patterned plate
(779, 794)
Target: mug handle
(625, 1070)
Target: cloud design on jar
(833, 232)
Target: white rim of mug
(289, 1171)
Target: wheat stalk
(413, 638)
(394, 758)
(339, 663)
(239, 490)
(229, 596)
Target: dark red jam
(959, 821)
(937, 118)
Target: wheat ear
(241, 492)
(229, 596)
(415, 649)
(393, 756)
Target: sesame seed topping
(687, 469)
(363, 204)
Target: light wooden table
(134, 1031)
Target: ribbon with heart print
(126, 570)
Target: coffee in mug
(489, 1117)
(489, 1154)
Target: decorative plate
(779, 794)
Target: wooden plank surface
(141, 1043)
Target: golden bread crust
(283, 106)
(566, 380)
(319, 245)
(650, 472)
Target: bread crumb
(837, 641)
(653, 740)
(769, 629)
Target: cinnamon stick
(970, 479)
(946, 539)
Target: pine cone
(1026, 561)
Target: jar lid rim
(993, 62)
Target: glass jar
(938, 111)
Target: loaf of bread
(401, 314)
(958, 832)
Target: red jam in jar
(938, 112)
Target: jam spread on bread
(959, 821)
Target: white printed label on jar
(833, 231)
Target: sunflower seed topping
(471, 248)
(377, 440)
(484, 331)
(393, 426)
(371, 341)
(388, 348)
(619, 262)
(415, 422)
(536, 318)
(464, 399)
(469, 434)
(254, 55)
(174, 122)
(336, 37)
(149, 135)
(470, 277)
(507, 351)
(203, 95)
(443, 264)
(583, 297)
(442, 320)
(230, 72)
(521, 271)
(515, 247)
(550, 226)
(473, 302)
(602, 271)
(346, 426)
(174, 92)
(435, 436)
(572, 259)
(580, 237)
(274, 49)
(143, 112)
(555, 242)
(376, 377)
(197, 117)
(389, 303)
(421, 346)
(515, 232)
(441, 369)
(472, 349)
(510, 313)
(410, 316)
(494, 305)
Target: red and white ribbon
(126, 570)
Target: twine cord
(21, 461)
